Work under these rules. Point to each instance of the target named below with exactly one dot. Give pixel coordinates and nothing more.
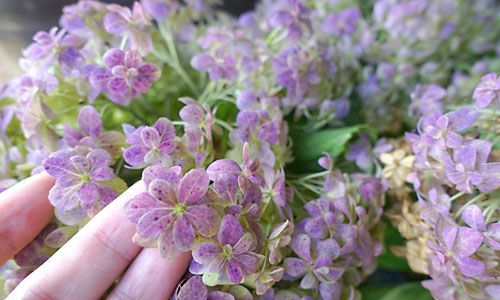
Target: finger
(24, 211)
(151, 277)
(90, 262)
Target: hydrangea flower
(473, 216)
(469, 167)
(459, 243)
(221, 65)
(294, 16)
(231, 258)
(91, 135)
(79, 181)
(296, 71)
(126, 77)
(175, 210)
(342, 23)
(121, 20)
(487, 90)
(151, 145)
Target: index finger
(90, 262)
(24, 211)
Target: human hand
(87, 265)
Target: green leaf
(387, 259)
(308, 146)
(118, 184)
(410, 290)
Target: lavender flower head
(125, 77)
(80, 188)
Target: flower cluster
(223, 119)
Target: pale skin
(86, 266)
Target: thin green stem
(124, 41)
(470, 202)
(119, 166)
(224, 124)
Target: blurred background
(21, 19)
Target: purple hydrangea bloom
(362, 153)
(159, 9)
(221, 65)
(43, 48)
(175, 210)
(32, 87)
(473, 216)
(487, 90)
(439, 132)
(232, 257)
(151, 145)
(316, 269)
(293, 17)
(457, 243)
(122, 21)
(79, 181)
(295, 71)
(341, 23)
(91, 135)
(126, 77)
(427, 99)
(469, 167)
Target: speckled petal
(205, 252)
(204, 219)
(230, 230)
(183, 234)
(193, 186)
(155, 221)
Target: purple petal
(216, 295)
(102, 174)
(183, 234)
(100, 78)
(192, 114)
(159, 172)
(193, 186)
(462, 118)
(467, 241)
(234, 272)
(154, 222)
(150, 138)
(202, 62)
(87, 192)
(133, 59)
(57, 166)
(193, 289)
(244, 244)
(114, 57)
(118, 87)
(301, 244)
(230, 230)
(204, 219)
(90, 122)
(168, 249)
(63, 199)
(222, 166)
(469, 266)
(330, 247)
(138, 206)
(134, 155)
(295, 267)
(473, 217)
(226, 186)
(494, 291)
(205, 252)
(114, 23)
(163, 191)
